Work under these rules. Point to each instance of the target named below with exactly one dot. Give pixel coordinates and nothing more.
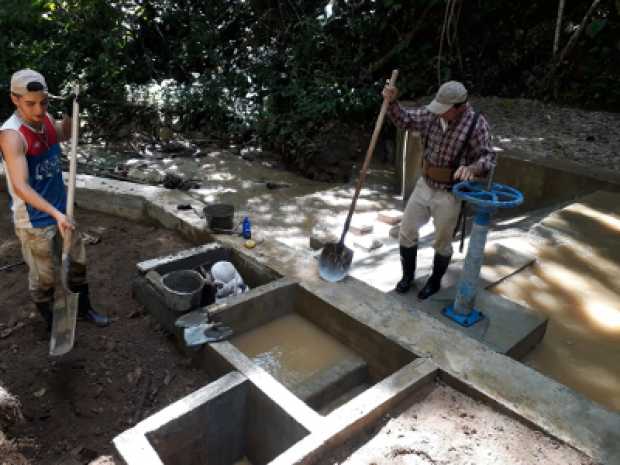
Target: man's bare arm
(15, 163)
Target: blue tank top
(44, 173)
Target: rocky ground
(550, 132)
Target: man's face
(32, 106)
(453, 113)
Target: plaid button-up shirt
(442, 147)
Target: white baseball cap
(27, 80)
(449, 94)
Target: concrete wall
(270, 430)
(253, 274)
(212, 432)
(408, 161)
(549, 182)
(216, 425)
(191, 431)
(257, 307)
(543, 182)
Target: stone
(360, 227)
(172, 180)
(390, 216)
(368, 243)
(148, 176)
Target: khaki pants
(42, 250)
(425, 203)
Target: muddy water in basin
(292, 348)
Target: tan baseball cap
(450, 93)
(27, 80)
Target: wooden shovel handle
(75, 116)
(369, 153)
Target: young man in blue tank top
(30, 145)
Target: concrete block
(360, 227)
(368, 243)
(153, 302)
(390, 216)
(321, 388)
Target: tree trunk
(558, 27)
(548, 79)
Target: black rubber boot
(46, 311)
(440, 265)
(408, 257)
(85, 309)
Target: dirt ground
(114, 377)
(448, 427)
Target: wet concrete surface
(575, 284)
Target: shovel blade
(63, 326)
(334, 262)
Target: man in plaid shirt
(448, 157)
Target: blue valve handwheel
(498, 196)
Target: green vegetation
(286, 72)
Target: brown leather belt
(437, 174)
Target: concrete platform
(508, 328)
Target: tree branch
(403, 43)
(569, 46)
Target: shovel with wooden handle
(336, 258)
(63, 326)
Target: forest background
(293, 76)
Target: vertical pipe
(468, 284)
